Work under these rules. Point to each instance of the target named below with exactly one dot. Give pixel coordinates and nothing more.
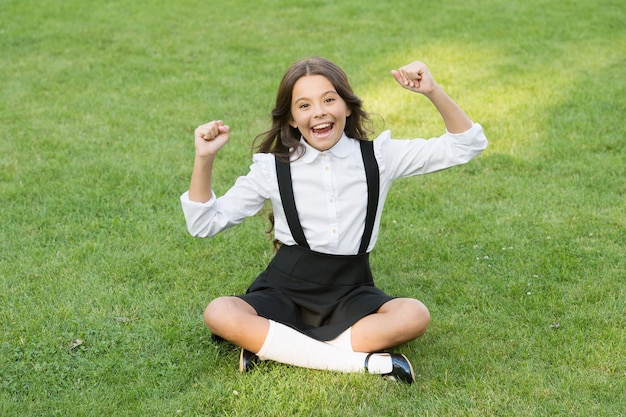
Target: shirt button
(325, 168)
(334, 231)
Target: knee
(218, 311)
(417, 317)
(422, 318)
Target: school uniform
(327, 208)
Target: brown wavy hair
(282, 139)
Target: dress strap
(372, 176)
(285, 187)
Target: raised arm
(209, 139)
(417, 78)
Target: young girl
(316, 305)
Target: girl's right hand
(211, 137)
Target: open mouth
(322, 129)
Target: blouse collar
(341, 149)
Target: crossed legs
(397, 321)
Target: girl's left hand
(415, 77)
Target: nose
(319, 111)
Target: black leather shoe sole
(402, 370)
(247, 360)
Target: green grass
(519, 255)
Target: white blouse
(329, 187)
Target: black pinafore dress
(319, 294)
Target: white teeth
(322, 126)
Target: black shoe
(402, 370)
(247, 360)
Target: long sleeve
(405, 158)
(244, 199)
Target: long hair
(282, 139)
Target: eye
(303, 106)
(330, 100)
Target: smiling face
(318, 111)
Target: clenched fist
(211, 137)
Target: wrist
(434, 92)
(204, 162)
(205, 157)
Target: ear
(348, 111)
(293, 123)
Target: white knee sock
(286, 345)
(343, 341)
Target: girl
(316, 305)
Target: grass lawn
(520, 255)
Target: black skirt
(320, 295)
